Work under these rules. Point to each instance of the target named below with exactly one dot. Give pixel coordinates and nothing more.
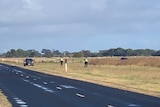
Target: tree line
(83, 53)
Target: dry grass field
(138, 61)
(138, 74)
(4, 102)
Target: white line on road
(133, 105)
(27, 76)
(110, 106)
(20, 102)
(39, 86)
(23, 105)
(17, 71)
(80, 95)
(45, 83)
(52, 82)
(59, 88)
(67, 86)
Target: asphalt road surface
(26, 88)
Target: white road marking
(45, 83)
(67, 86)
(23, 105)
(37, 77)
(44, 88)
(110, 106)
(133, 105)
(26, 80)
(52, 82)
(27, 76)
(20, 102)
(17, 70)
(80, 95)
(39, 86)
(48, 90)
(59, 88)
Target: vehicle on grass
(29, 62)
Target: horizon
(62, 51)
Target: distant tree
(130, 52)
(156, 53)
(68, 54)
(8, 54)
(3, 54)
(12, 53)
(110, 52)
(144, 52)
(119, 52)
(57, 53)
(20, 53)
(94, 54)
(47, 53)
(78, 54)
(101, 52)
(86, 53)
(34, 53)
(148, 52)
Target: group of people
(85, 61)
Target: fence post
(66, 68)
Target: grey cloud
(106, 16)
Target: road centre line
(45, 83)
(39, 86)
(80, 95)
(134, 105)
(110, 106)
(59, 88)
(67, 86)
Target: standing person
(85, 62)
(61, 61)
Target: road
(26, 88)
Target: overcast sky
(75, 25)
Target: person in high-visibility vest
(61, 61)
(85, 62)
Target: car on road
(29, 61)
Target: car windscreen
(29, 60)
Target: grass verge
(4, 101)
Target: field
(138, 74)
(4, 101)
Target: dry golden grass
(139, 79)
(139, 74)
(139, 61)
(3, 101)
